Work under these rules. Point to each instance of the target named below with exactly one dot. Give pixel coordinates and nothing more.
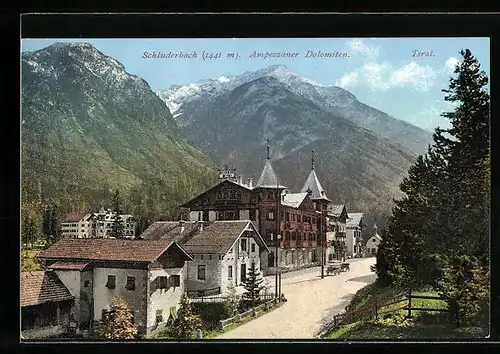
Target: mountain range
(361, 153)
(88, 127)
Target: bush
(211, 313)
(117, 324)
(187, 321)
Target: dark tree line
(442, 222)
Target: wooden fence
(373, 311)
(241, 316)
(222, 298)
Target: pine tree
(117, 229)
(117, 324)
(469, 158)
(187, 321)
(252, 285)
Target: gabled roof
(312, 184)
(219, 236)
(73, 217)
(354, 219)
(70, 265)
(169, 230)
(185, 205)
(336, 210)
(95, 249)
(293, 199)
(268, 178)
(40, 287)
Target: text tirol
(422, 53)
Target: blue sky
(381, 72)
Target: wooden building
(299, 218)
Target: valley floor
(311, 302)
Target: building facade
(373, 242)
(299, 218)
(223, 251)
(354, 230)
(46, 305)
(338, 246)
(96, 225)
(148, 275)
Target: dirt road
(312, 301)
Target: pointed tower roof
(313, 186)
(268, 178)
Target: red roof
(73, 217)
(95, 249)
(69, 265)
(40, 287)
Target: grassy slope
(395, 325)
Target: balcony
(340, 235)
(311, 243)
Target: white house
(148, 275)
(77, 225)
(222, 252)
(98, 225)
(373, 242)
(354, 229)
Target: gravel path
(312, 302)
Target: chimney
(200, 226)
(250, 183)
(240, 180)
(181, 225)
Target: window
(299, 218)
(210, 256)
(111, 284)
(253, 247)
(201, 257)
(270, 236)
(175, 280)
(130, 283)
(230, 272)
(201, 272)
(293, 217)
(374, 240)
(159, 316)
(162, 282)
(253, 265)
(294, 236)
(86, 283)
(243, 244)
(287, 216)
(270, 215)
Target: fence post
(335, 321)
(376, 311)
(409, 303)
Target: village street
(312, 301)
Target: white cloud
(385, 76)
(450, 64)
(349, 79)
(419, 76)
(359, 46)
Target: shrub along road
(312, 302)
